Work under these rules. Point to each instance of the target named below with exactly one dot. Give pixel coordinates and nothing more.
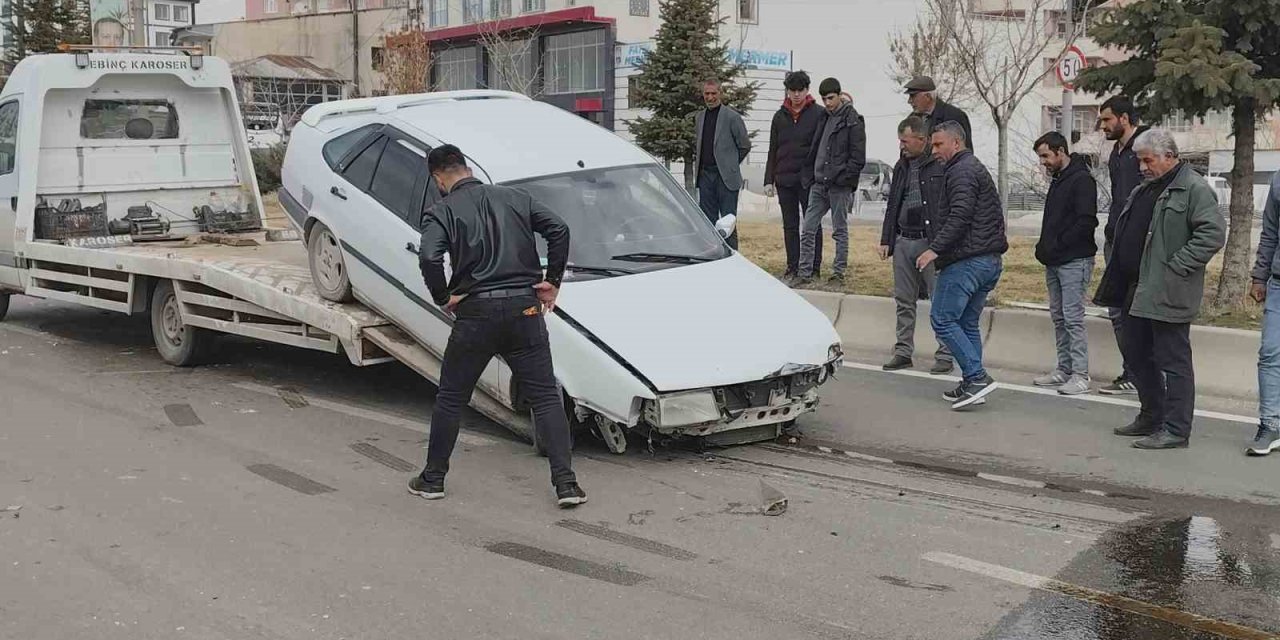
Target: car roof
(514, 139)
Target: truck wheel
(179, 344)
(328, 270)
(4, 305)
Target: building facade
(166, 16)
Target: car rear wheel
(179, 344)
(328, 270)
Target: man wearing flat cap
(922, 94)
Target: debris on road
(772, 501)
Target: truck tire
(328, 270)
(179, 344)
(4, 305)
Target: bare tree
(1001, 46)
(512, 58)
(926, 50)
(406, 62)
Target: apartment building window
(1056, 23)
(513, 65)
(161, 12)
(575, 62)
(499, 9)
(640, 8)
(472, 10)
(162, 39)
(439, 13)
(1083, 119)
(182, 14)
(530, 6)
(270, 6)
(455, 69)
(749, 11)
(1177, 122)
(376, 57)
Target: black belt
(503, 293)
(913, 235)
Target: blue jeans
(717, 200)
(958, 298)
(1269, 360)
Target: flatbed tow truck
(102, 154)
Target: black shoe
(974, 391)
(1161, 440)
(429, 489)
(1119, 387)
(896, 363)
(1135, 429)
(800, 282)
(836, 279)
(570, 495)
(942, 367)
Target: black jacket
(942, 112)
(970, 221)
(930, 189)
(790, 143)
(1070, 216)
(846, 151)
(1126, 175)
(488, 233)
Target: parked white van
(660, 327)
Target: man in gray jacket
(1266, 289)
(838, 153)
(1166, 234)
(721, 143)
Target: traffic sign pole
(1068, 88)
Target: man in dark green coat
(1168, 232)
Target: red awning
(566, 16)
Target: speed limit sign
(1070, 66)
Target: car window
(396, 178)
(8, 136)
(360, 171)
(338, 147)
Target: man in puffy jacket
(788, 173)
(1066, 249)
(968, 244)
(1266, 290)
(838, 154)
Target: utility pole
(1068, 93)
(355, 50)
(138, 16)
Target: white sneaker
(1077, 385)
(1055, 379)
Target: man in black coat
(837, 156)
(923, 98)
(915, 193)
(1066, 249)
(788, 173)
(968, 243)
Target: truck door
(8, 189)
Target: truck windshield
(627, 211)
(129, 119)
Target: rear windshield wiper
(602, 271)
(661, 257)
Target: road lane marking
(1212, 415)
(1169, 615)
(367, 414)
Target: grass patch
(1023, 279)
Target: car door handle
(13, 202)
(338, 191)
(409, 246)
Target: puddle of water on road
(1221, 571)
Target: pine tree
(1198, 56)
(687, 52)
(39, 26)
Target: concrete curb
(1022, 340)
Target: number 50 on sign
(1070, 66)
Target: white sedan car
(661, 329)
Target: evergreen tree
(39, 26)
(1198, 56)
(687, 52)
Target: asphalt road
(263, 497)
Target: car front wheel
(328, 270)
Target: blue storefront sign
(630, 55)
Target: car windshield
(627, 219)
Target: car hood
(701, 325)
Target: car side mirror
(726, 224)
